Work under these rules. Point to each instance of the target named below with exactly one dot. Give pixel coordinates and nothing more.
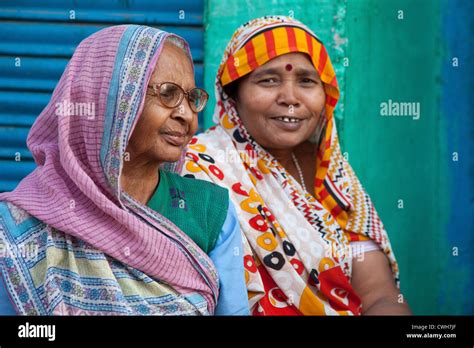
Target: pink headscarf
(75, 187)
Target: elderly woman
(98, 227)
(313, 244)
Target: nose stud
(288, 67)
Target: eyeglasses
(171, 95)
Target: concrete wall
(419, 172)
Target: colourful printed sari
(297, 245)
(97, 250)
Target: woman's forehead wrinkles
(172, 70)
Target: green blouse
(197, 207)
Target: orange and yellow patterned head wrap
(262, 39)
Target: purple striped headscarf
(78, 143)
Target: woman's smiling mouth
(174, 138)
(288, 119)
(287, 123)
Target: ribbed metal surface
(40, 37)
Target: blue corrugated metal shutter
(38, 38)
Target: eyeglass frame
(183, 94)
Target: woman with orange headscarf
(313, 242)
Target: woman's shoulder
(204, 204)
(204, 196)
(197, 186)
(213, 137)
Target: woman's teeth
(288, 119)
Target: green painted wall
(396, 158)
(399, 158)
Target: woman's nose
(287, 94)
(184, 112)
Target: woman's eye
(269, 80)
(166, 95)
(192, 98)
(308, 81)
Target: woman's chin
(285, 142)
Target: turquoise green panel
(397, 56)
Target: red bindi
(288, 67)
